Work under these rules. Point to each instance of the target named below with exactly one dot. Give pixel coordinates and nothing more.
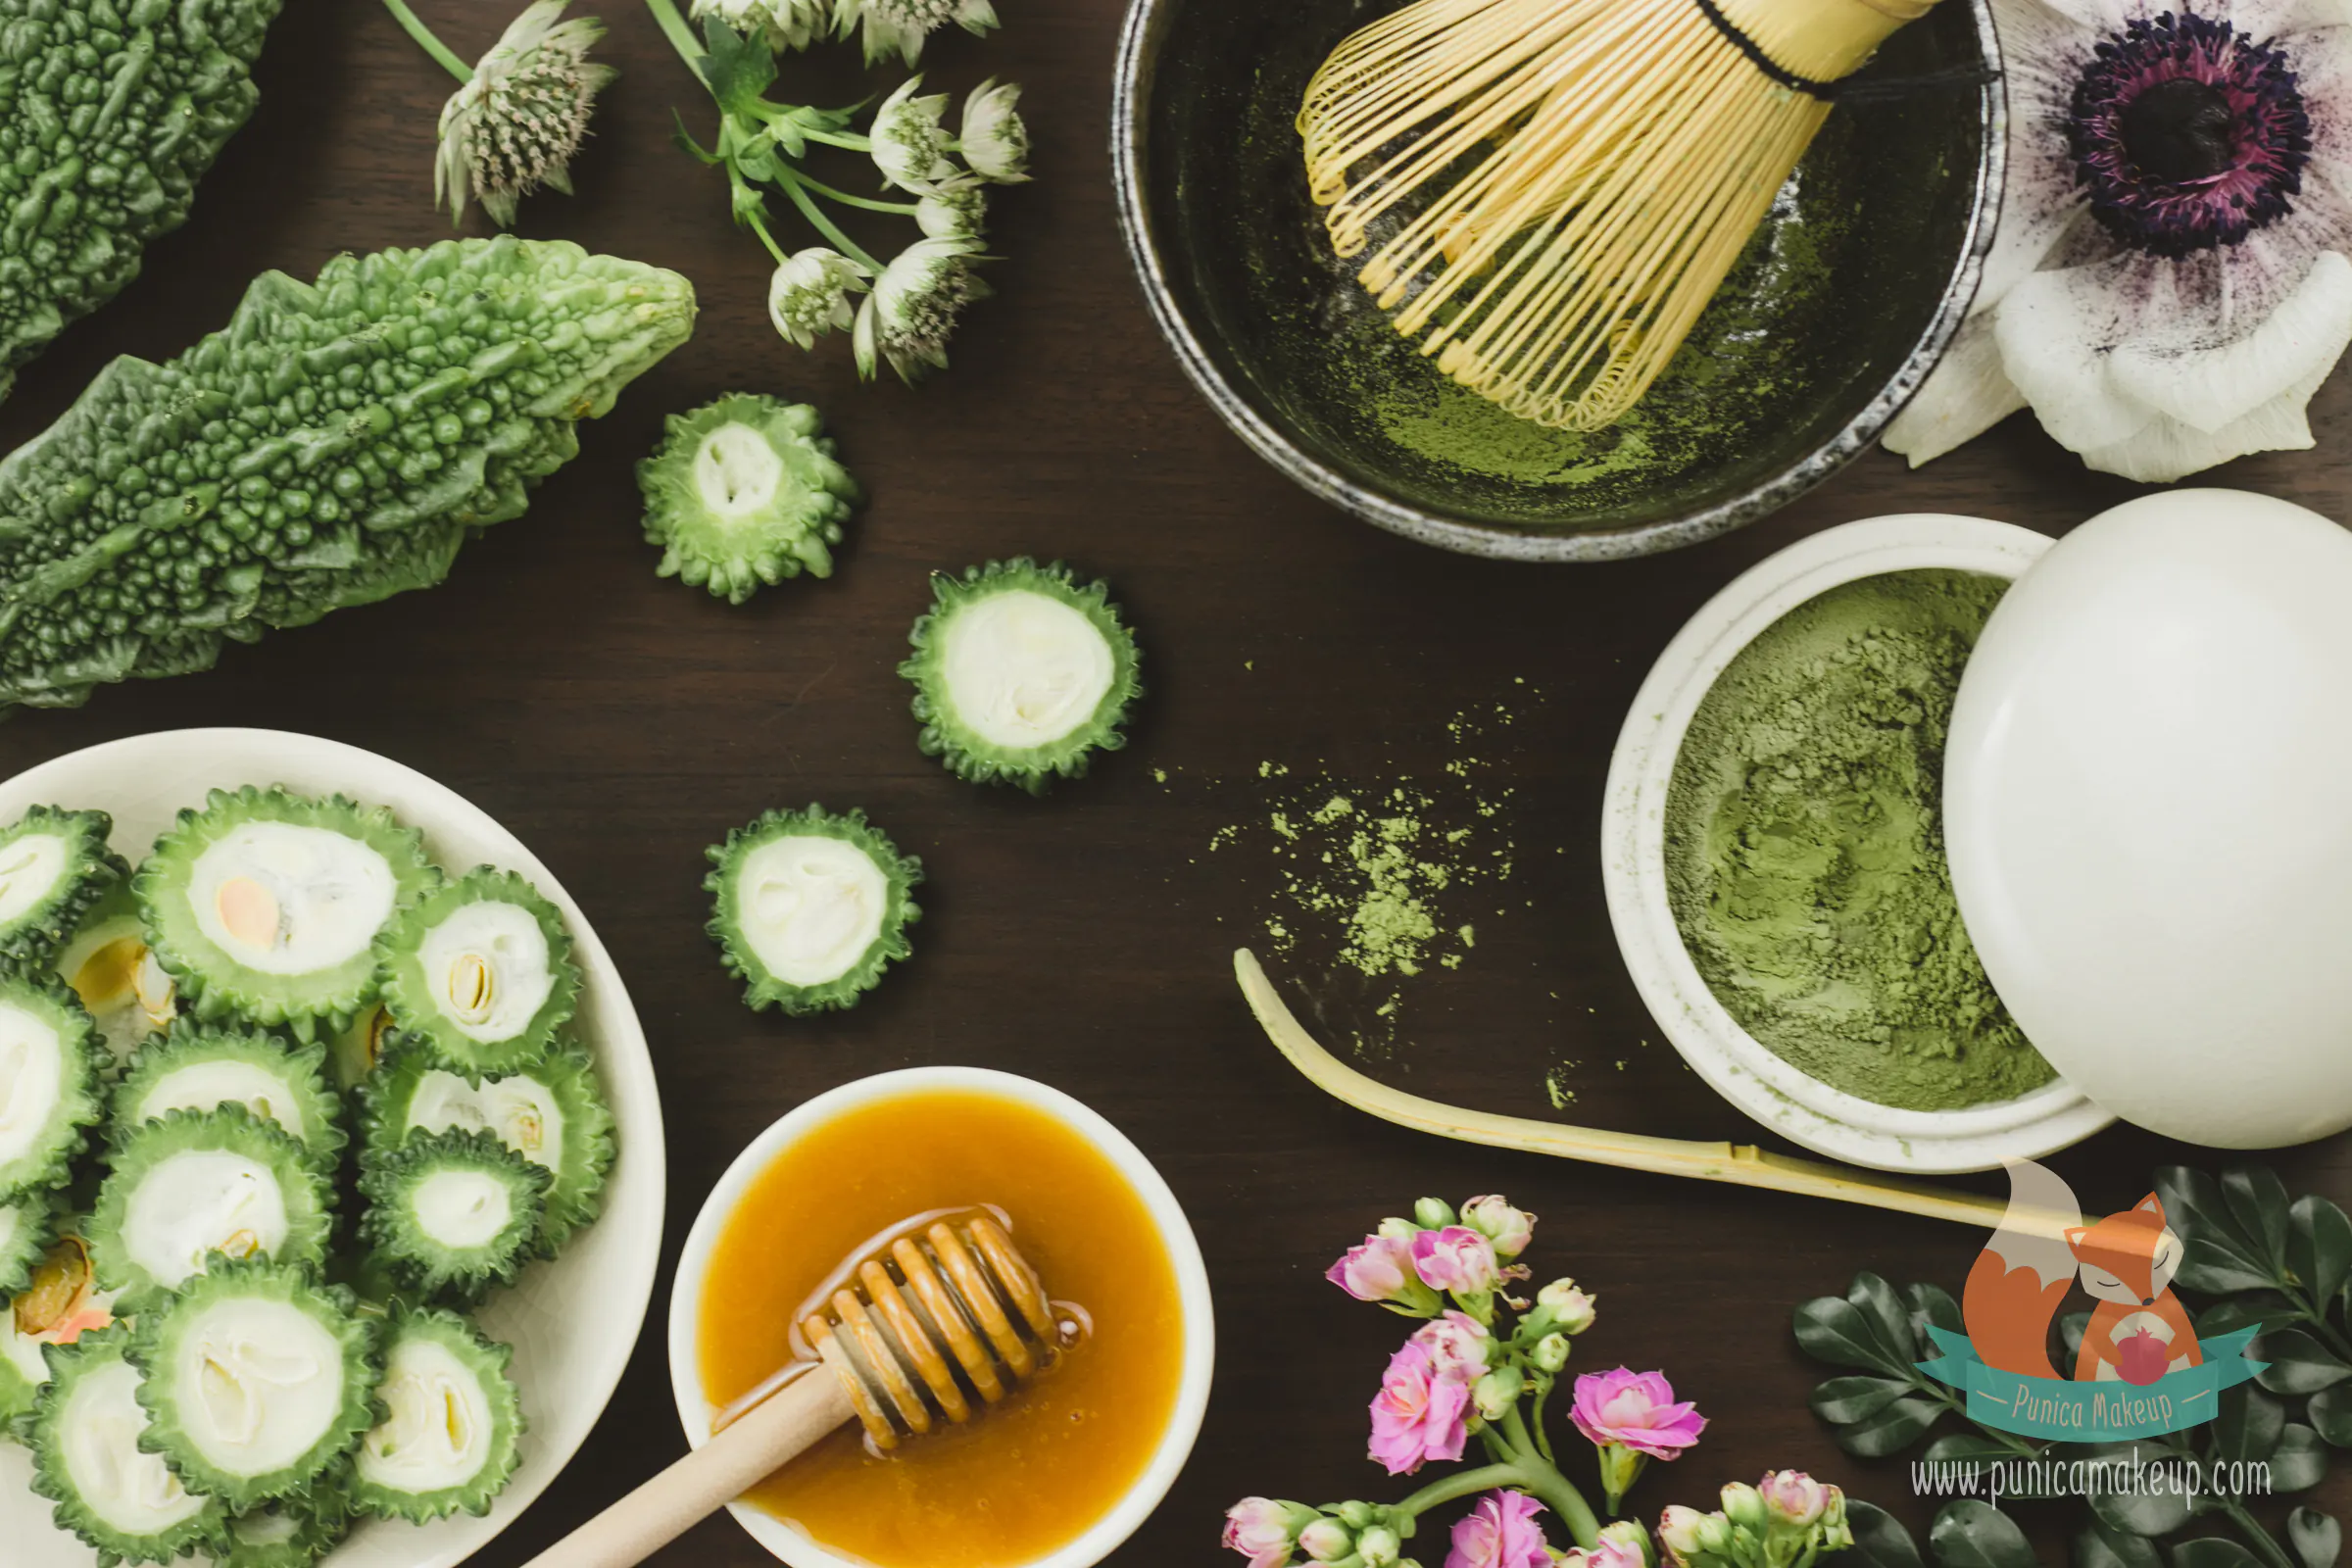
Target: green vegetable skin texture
(334, 445)
(305, 1191)
(297, 1099)
(744, 492)
(1804, 848)
(762, 987)
(96, 1354)
(413, 996)
(109, 112)
(25, 1230)
(47, 1160)
(87, 870)
(293, 1532)
(438, 1269)
(373, 1488)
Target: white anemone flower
(809, 295)
(955, 209)
(913, 308)
(785, 24)
(993, 138)
(518, 122)
(908, 143)
(2168, 284)
(900, 26)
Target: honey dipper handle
(760, 1443)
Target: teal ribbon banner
(2093, 1412)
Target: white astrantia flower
(910, 145)
(993, 139)
(954, 209)
(809, 295)
(2169, 283)
(784, 24)
(913, 308)
(517, 123)
(900, 26)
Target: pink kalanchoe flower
(1501, 1533)
(1457, 1346)
(1263, 1530)
(1417, 1415)
(1511, 1230)
(1637, 1410)
(1605, 1553)
(1381, 1269)
(1793, 1497)
(1457, 1259)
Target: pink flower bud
(1571, 1308)
(1621, 1546)
(1793, 1498)
(1501, 1533)
(1681, 1532)
(1263, 1530)
(1511, 1230)
(1326, 1541)
(1381, 1269)
(1457, 1259)
(1457, 1344)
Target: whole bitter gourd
(334, 445)
(109, 112)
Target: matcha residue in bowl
(1804, 848)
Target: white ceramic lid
(2148, 810)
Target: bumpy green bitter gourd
(49, 1082)
(809, 907)
(86, 1433)
(743, 491)
(452, 1429)
(198, 1186)
(451, 1213)
(55, 865)
(480, 973)
(196, 1067)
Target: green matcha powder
(1804, 848)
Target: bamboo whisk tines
(1550, 191)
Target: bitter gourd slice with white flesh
(61, 1302)
(451, 1213)
(128, 995)
(201, 1185)
(54, 865)
(290, 1533)
(265, 905)
(744, 492)
(49, 1083)
(25, 1226)
(1020, 674)
(451, 1433)
(480, 973)
(257, 1379)
(197, 1067)
(809, 907)
(554, 1114)
(88, 1433)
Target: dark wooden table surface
(618, 723)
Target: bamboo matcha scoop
(903, 1345)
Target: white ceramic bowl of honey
(1069, 1466)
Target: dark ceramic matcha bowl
(1830, 322)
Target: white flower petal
(2165, 450)
(1967, 395)
(2055, 330)
(2298, 342)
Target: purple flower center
(2187, 134)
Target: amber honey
(1028, 1475)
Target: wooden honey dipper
(962, 1298)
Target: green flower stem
(425, 40)
(847, 140)
(824, 226)
(819, 187)
(1544, 1480)
(681, 37)
(758, 227)
(1461, 1483)
(1536, 1420)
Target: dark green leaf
(2217, 1255)
(1880, 1540)
(1931, 1304)
(1830, 1329)
(2330, 1414)
(1969, 1533)
(2300, 1461)
(1892, 1430)
(2244, 1310)
(2257, 1199)
(2317, 1537)
(2248, 1425)
(2298, 1363)
(1841, 1402)
(2151, 1512)
(1969, 1448)
(2318, 1246)
(1888, 1319)
(2213, 1552)
(2098, 1546)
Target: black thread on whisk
(1850, 90)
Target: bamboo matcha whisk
(1557, 187)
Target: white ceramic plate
(1633, 866)
(573, 1322)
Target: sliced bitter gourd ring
(290, 1533)
(197, 1068)
(61, 1304)
(54, 865)
(200, 1183)
(25, 1230)
(49, 1071)
(554, 1114)
(480, 973)
(745, 491)
(809, 907)
(128, 995)
(453, 1213)
(265, 905)
(451, 1433)
(256, 1378)
(86, 1436)
(1020, 674)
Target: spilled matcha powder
(1804, 848)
